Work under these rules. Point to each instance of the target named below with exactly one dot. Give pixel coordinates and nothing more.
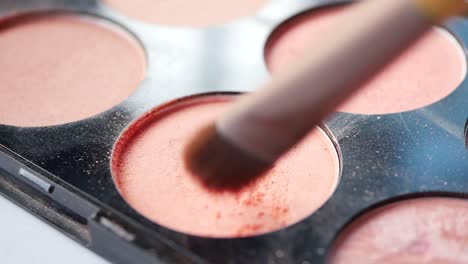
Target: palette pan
(99, 97)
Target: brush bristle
(220, 165)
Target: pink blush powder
(425, 73)
(424, 230)
(149, 171)
(63, 68)
(195, 13)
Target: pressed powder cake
(149, 171)
(428, 71)
(423, 231)
(195, 13)
(63, 68)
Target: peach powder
(197, 13)
(427, 72)
(424, 230)
(63, 68)
(149, 172)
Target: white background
(26, 239)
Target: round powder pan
(190, 14)
(434, 64)
(417, 230)
(63, 172)
(148, 169)
(58, 68)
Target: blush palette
(99, 98)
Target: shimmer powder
(195, 13)
(428, 71)
(424, 230)
(62, 68)
(149, 171)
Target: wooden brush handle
(270, 121)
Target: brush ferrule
(440, 10)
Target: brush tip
(220, 165)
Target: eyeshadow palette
(99, 97)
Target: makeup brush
(260, 127)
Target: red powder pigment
(426, 231)
(427, 72)
(150, 174)
(57, 69)
(195, 13)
